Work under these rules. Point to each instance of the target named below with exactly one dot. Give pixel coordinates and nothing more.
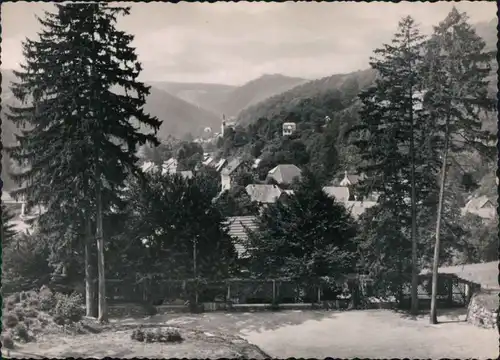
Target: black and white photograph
(249, 179)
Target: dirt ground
(311, 334)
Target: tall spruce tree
(308, 237)
(395, 143)
(83, 114)
(457, 66)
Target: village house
(263, 194)
(233, 168)
(289, 128)
(342, 195)
(284, 174)
(481, 206)
(169, 167)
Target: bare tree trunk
(89, 283)
(435, 264)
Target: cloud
(236, 42)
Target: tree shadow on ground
(450, 315)
(234, 322)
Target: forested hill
(324, 110)
(346, 86)
(256, 91)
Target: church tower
(223, 125)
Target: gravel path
(363, 334)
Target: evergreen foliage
(308, 237)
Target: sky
(233, 43)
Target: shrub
(7, 341)
(68, 307)
(9, 306)
(19, 313)
(10, 320)
(22, 332)
(30, 313)
(138, 335)
(14, 298)
(47, 301)
(169, 335)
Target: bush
(30, 313)
(22, 332)
(47, 301)
(138, 335)
(169, 335)
(7, 341)
(10, 320)
(68, 308)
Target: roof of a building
(340, 193)
(220, 164)
(148, 166)
(232, 166)
(352, 178)
(237, 225)
(188, 174)
(481, 206)
(208, 161)
(265, 194)
(357, 208)
(484, 274)
(479, 203)
(285, 173)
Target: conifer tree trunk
(103, 311)
(89, 282)
(435, 264)
(414, 268)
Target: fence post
(319, 293)
(274, 291)
(228, 292)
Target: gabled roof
(265, 194)
(237, 231)
(232, 166)
(208, 161)
(285, 173)
(481, 202)
(147, 166)
(352, 178)
(220, 164)
(169, 166)
(340, 193)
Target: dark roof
(285, 173)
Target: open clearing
(311, 334)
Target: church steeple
(223, 125)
